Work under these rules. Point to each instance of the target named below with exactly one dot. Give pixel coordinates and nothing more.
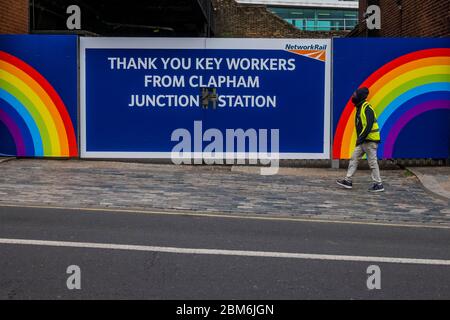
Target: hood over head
(360, 95)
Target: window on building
(318, 19)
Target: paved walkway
(297, 192)
(435, 179)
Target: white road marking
(242, 253)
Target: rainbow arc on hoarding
(400, 91)
(33, 112)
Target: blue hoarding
(38, 96)
(140, 96)
(409, 84)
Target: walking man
(368, 138)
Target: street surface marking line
(263, 254)
(225, 215)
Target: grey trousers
(369, 148)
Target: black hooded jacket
(358, 99)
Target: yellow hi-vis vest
(374, 134)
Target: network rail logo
(314, 51)
(306, 47)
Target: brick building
(407, 18)
(218, 18)
(399, 18)
(233, 19)
(14, 16)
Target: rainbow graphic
(400, 90)
(34, 113)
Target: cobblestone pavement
(298, 192)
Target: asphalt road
(204, 257)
